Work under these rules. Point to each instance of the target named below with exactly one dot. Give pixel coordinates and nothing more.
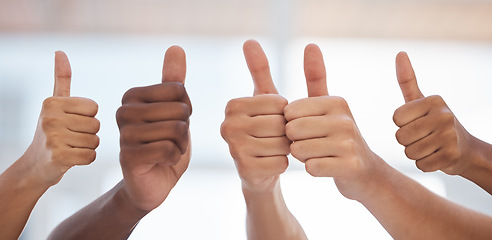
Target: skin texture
(433, 136)
(254, 128)
(325, 137)
(155, 152)
(65, 137)
(324, 134)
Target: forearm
(109, 217)
(480, 172)
(269, 218)
(19, 193)
(407, 210)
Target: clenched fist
(154, 134)
(254, 127)
(325, 136)
(66, 131)
(430, 132)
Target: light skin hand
(254, 127)
(325, 136)
(155, 139)
(65, 137)
(66, 132)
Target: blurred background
(116, 45)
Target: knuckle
(346, 125)
(451, 153)
(290, 130)
(448, 118)
(51, 102)
(49, 121)
(169, 152)
(228, 129)
(424, 166)
(397, 117)
(348, 145)
(180, 128)
(401, 137)
(283, 163)
(53, 139)
(177, 88)
(95, 141)
(435, 100)
(280, 101)
(339, 102)
(92, 107)
(130, 94)
(234, 106)
(410, 153)
(296, 150)
(313, 168)
(96, 125)
(127, 134)
(89, 157)
(354, 164)
(124, 114)
(184, 111)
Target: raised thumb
(406, 78)
(63, 75)
(259, 68)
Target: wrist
(123, 202)
(377, 181)
(264, 186)
(24, 177)
(260, 201)
(478, 159)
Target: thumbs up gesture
(154, 135)
(324, 134)
(66, 131)
(254, 127)
(429, 130)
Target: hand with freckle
(154, 134)
(66, 131)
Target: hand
(154, 134)
(66, 131)
(429, 130)
(254, 127)
(325, 136)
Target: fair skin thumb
(259, 68)
(315, 72)
(63, 75)
(406, 78)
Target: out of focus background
(116, 45)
